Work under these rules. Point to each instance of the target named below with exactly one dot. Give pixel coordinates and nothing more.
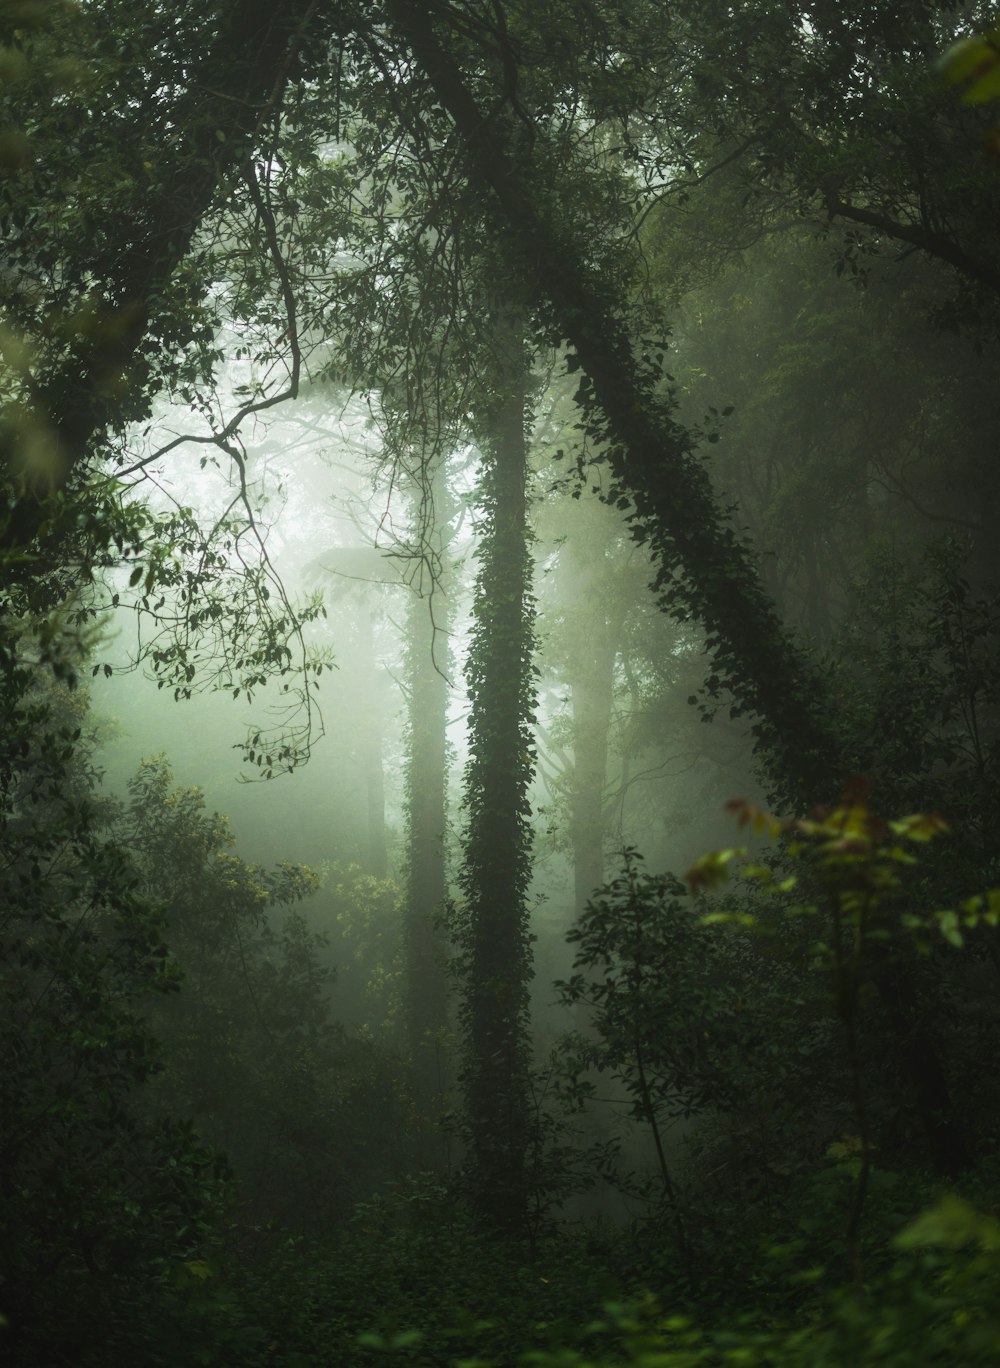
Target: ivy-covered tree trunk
(496, 870)
(428, 658)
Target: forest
(499, 683)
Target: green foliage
(252, 1050)
(649, 970)
(719, 1042)
(411, 1282)
(973, 65)
(98, 1198)
(362, 915)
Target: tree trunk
(428, 658)
(590, 673)
(497, 867)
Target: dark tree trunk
(496, 870)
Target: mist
(499, 656)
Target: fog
(499, 658)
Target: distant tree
(429, 660)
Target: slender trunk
(428, 658)
(368, 743)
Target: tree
(703, 569)
(195, 116)
(493, 934)
(430, 614)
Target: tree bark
(428, 661)
(497, 866)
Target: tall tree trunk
(428, 659)
(368, 744)
(496, 870)
(590, 673)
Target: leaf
(406, 1339)
(985, 89)
(949, 1224)
(199, 1269)
(949, 927)
(712, 869)
(964, 59)
(922, 826)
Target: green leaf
(949, 1224)
(967, 58)
(985, 89)
(948, 924)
